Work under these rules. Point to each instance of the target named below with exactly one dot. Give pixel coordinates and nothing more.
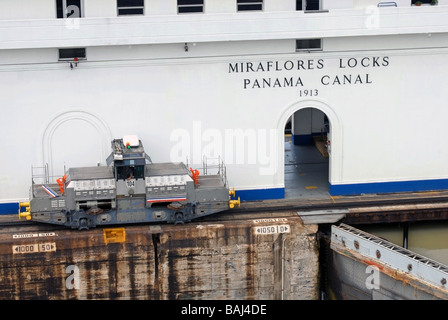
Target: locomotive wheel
(83, 224)
(179, 218)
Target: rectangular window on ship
(249, 5)
(129, 7)
(308, 44)
(72, 53)
(420, 2)
(68, 9)
(190, 6)
(307, 5)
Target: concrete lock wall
(244, 259)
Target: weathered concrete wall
(232, 259)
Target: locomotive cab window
(130, 172)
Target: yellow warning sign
(114, 235)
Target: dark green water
(429, 239)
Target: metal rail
(281, 206)
(248, 208)
(345, 237)
(14, 223)
(387, 4)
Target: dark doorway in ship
(307, 136)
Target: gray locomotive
(130, 189)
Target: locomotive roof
(103, 172)
(165, 169)
(85, 173)
(119, 146)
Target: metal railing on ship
(214, 166)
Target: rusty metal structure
(366, 267)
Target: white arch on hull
(95, 121)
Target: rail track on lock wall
(365, 209)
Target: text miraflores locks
(294, 72)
